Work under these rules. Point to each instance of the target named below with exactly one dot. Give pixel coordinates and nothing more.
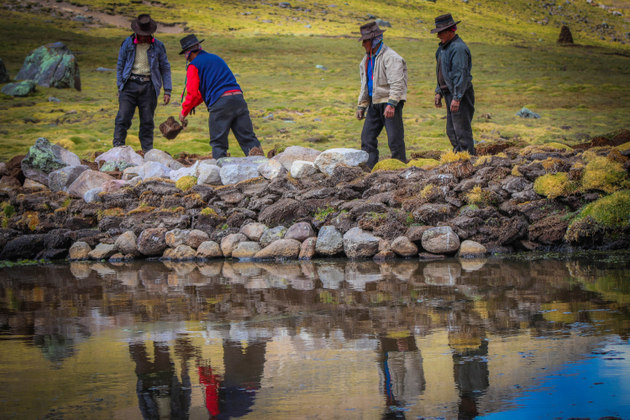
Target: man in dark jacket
(142, 68)
(210, 80)
(454, 84)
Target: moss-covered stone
(209, 212)
(554, 185)
(605, 175)
(186, 182)
(389, 165)
(450, 157)
(423, 163)
(612, 211)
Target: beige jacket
(389, 81)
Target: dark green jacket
(456, 66)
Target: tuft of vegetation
(208, 211)
(389, 165)
(322, 213)
(611, 211)
(483, 160)
(554, 185)
(450, 157)
(515, 171)
(478, 197)
(603, 174)
(186, 182)
(423, 163)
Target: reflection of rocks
(442, 274)
(473, 264)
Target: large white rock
(186, 171)
(358, 243)
(271, 169)
(208, 173)
(156, 155)
(232, 174)
(440, 240)
(121, 154)
(86, 181)
(328, 160)
(293, 153)
(302, 168)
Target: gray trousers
(372, 127)
(458, 128)
(230, 113)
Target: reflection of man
(454, 84)
(383, 93)
(401, 373)
(160, 394)
(470, 368)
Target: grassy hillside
(274, 49)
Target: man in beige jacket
(383, 94)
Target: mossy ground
(579, 92)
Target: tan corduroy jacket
(389, 81)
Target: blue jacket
(215, 77)
(456, 65)
(160, 67)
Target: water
(496, 338)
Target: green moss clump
(605, 175)
(389, 165)
(209, 212)
(186, 182)
(8, 210)
(322, 214)
(450, 157)
(554, 185)
(612, 211)
(423, 163)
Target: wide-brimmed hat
(144, 25)
(370, 30)
(188, 42)
(443, 22)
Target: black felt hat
(443, 22)
(144, 25)
(370, 31)
(188, 42)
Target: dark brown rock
(171, 128)
(152, 242)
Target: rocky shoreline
(305, 204)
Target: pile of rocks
(302, 203)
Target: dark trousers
(372, 127)
(458, 127)
(230, 113)
(141, 95)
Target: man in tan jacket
(383, 94)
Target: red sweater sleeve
(193, 96)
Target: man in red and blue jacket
(210, 80)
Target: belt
(229, 93)
(140, 78)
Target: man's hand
(438, 100)
(389, 111)
(360, 114)
(167, 98)
(182, 119)
(454, 105)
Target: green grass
(579, 91)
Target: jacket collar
(449, 42)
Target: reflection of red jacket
(211, 385)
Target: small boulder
(44, 158)
(245, 249)
(151, 241)
(234, 173)
(293, 153)
(86, 181)
(300, 231)
(271, 169)
(126, 243)
(302, 168)
(358, 243)
(229, 242)
(307, 249)
(209, 249)
(404, 247)
(61, 179)
(328, 160)
(196, 237)
(208, 173)
(79, 251)
(253, 231)
(120, 154)
(160, 156)
(180, 253)
(329, 241)
(175, 237)
(102, 252)
(440, 240)
(471, 249)
(23, 88)
(271, 235)
(280, 249)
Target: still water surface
(496, 338)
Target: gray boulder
(234, 173)
(271, 235)
(209, 249)
(253, 230)
(329, 241)
(61, 179)
(102, 252)
(23, 88)
(358, 243)
(229, 243)
(180, 253)
(280, 249)
(302, 168)
(471, 249)
(126, 243)
(271, 169)
(160, 156)
(246, 249)
(79, 251)
(51, 65)
(196, 237)
(44, 158)
(293, 153)
(404, 247)
(307, 250)
(208, 173)
(86, 181)
(300, 231)
(120, 154)
(440, 240)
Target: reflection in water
(454, 339)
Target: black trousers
(134, 95)
(230, 113)
(372, 127)
(458, 127)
